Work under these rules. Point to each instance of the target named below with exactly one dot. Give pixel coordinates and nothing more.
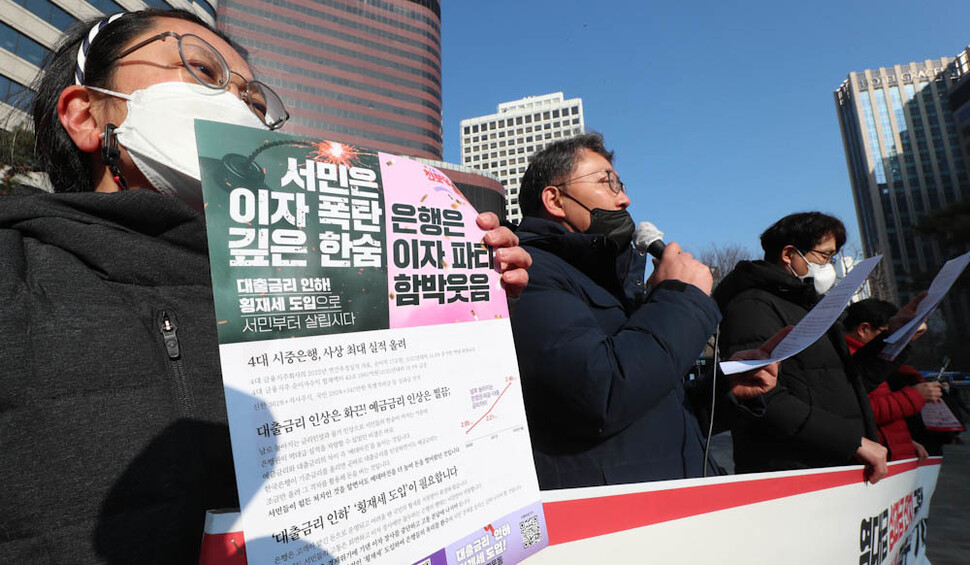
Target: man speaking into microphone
(603, 359)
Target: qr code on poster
(531, 534)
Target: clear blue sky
(721, 113)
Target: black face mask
(617, 225)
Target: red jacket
(890, 409)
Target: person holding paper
(904, 397)
(112, 412)
(819, 414)
(602, 360)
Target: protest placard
(371, 381)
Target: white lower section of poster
(815, 516)
(392, 446)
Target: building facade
(29, 29)
(906, 161)
(502, 143)
(959, 94)
(364, 73)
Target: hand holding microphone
(670, 262)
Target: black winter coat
(819, 412)
(112, 446)
(602, 365)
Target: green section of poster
(296, 234)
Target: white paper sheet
(934, 295)
(815, 323)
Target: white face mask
(823, 276)
(159, 132)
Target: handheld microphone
(648, 239)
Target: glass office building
(29, 29)
(365, 73)
(905, 161)
(960, 101)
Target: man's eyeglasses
(616, 185)
(827, 256)
(207, 66)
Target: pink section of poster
(434, 269)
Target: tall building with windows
(905, 161)
(365, 73)
(960, 101)
(502, 143)
(29, 29)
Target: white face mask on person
(823, 276)
(159, 132)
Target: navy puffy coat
(603, 365)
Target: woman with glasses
(112, 417)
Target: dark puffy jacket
(602, 365)
(113, 444)
(890, 408)
(819, 412)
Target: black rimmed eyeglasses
(208, 67)
(827, 256)
(615, 184)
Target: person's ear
(74, 113)
(552, 202)
(788, 254)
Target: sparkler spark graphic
(333, 152)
